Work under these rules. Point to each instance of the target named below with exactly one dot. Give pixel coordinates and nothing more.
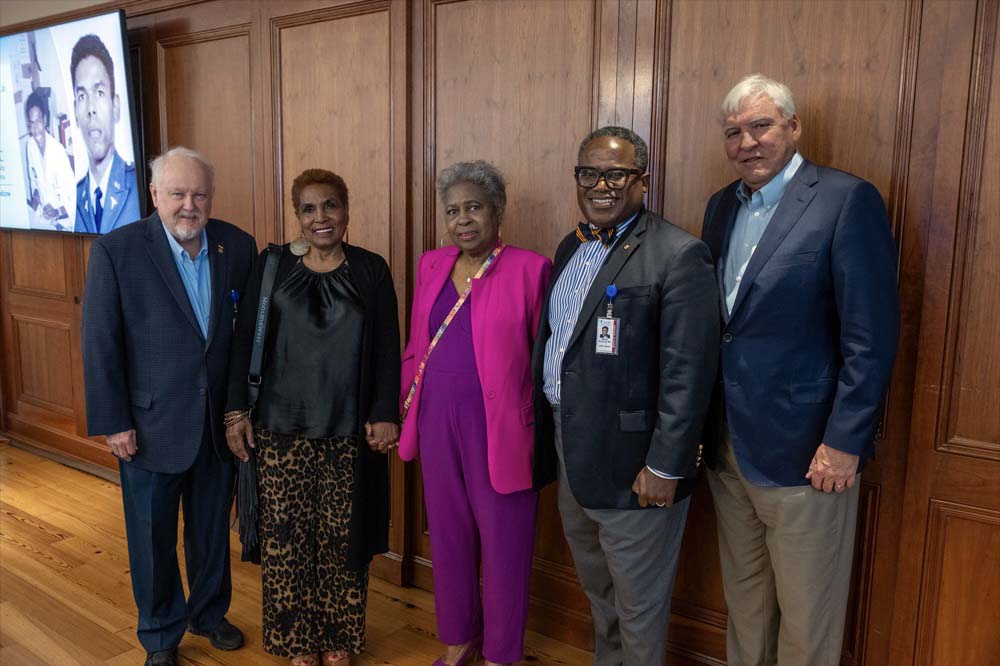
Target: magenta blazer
(506, 303)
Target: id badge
(607, 336)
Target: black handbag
(246, 484)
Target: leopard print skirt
(312, 601)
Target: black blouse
(310, 381)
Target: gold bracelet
(234, 417)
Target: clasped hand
(382, 436)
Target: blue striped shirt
(566, 301)
(196, 275)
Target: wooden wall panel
(517, 94)
(45, 370)
(839, 60)
(195, 111)
(951, 509)
(333, 84)
(38, 264)
(958, 616)
(973, 420)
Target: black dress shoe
(223, 637)
(162, 658)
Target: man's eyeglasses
(615, 178)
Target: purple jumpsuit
(466, 516)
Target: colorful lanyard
(444, 325)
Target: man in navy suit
(806, 267)
(107, 197)
(158, 309)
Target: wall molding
(947, 439)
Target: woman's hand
(382, 436)
(238, 436)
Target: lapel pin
(118, 185)
(220, 249)
(627, 246)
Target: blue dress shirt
(755, 213)
(196, 274)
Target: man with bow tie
(618, 418)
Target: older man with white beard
(158, 308)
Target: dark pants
(151, 500)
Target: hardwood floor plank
(66, 597)
(77, 634)
(13, 622)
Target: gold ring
(661, 504)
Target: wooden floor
(65, 598)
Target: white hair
(758, 84)
(157, 164)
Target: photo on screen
(67, 147)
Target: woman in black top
(326, 414)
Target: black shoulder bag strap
(260, 329)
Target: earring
(299, 247)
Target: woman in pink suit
(469, 415)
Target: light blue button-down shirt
(196, 274)
(755, 213)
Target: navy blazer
(120, 203)
(146, 363)
(807, 352)
(647, 404)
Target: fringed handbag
(246, 484)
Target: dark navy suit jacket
(120, 204)
(146, 363)
(807, 351)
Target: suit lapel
(794, 202)
(159, 252)
(719, 242)
(440, 271)
(219, 264)
(609, 271)
(83, 203)
(114, 198)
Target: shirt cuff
(662, 475)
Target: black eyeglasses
(615, 178)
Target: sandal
(305, 660)
(468, 656)
(336, 658)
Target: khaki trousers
(786, 557)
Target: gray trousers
(626, 561)
(786, 556)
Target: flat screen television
(70, 158)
